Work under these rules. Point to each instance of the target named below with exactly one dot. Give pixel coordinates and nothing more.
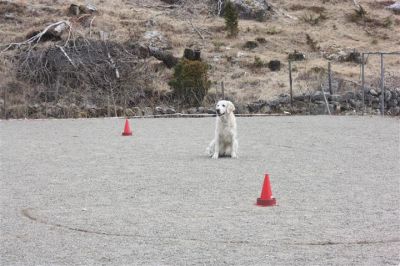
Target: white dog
(225, 141)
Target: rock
(355, 104)
(261, 40)
(355, 57)
(275, 106)
(336, 107)
(336, 97)
(348, 95)
(372, 99)
(393, 103)
(159, 110)
(296, 56)
(255, 106)
(301, 97)
(156, 39)
(318, 96)
(252, 9)
(373, 92)
(320, 108)
(170, 111)
(201, 110)
(73, 10)
(388, 95)
(9, 16)
(395, 110)
(129, 112)
(274, 65)
(171, 2)
(192, 110)
(250, 45)
(266, 109)
(395, 7)
(358, 96)
(210, 111)
(137, 111)
(76, 10)
(284, 99)
(191, 54)
(237, 75)
(147, 111)
(241, 109)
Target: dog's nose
(218, 111)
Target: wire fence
(370, 75)
(366, 82)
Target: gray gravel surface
(75, 192)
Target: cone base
(126, 133)
(266, 202)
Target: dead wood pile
(88, 71)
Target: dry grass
(330, 31)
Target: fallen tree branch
(113, 65)
(168, 58)
(198, 32)
(326, 101)
(90, 26)
(58, 27)
(66, 55)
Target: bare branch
(198, 32)
(66, 55)
(57, 27)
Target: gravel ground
(75, 192)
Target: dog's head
(224, 107)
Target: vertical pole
(5, 103)
(363, 83)
(326, 101)
(290, 83)
(108, 106)
(330, 78)
(124, 102)
(223, 90)
(382, 87)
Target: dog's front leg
(216, 148)
(235, 146)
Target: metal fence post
(382, 87)
(223, 90)
(330, 78)
(291, 83)
(363, 83)
(5, 103)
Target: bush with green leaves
(190, 83)
(231, 19)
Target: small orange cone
(127, 129)
(266, 198)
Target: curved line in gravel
(362, 242)
(28, 214)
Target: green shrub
(190, 83)
(258, 63)
(231, 19)
(312, 19)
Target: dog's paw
(215, 156)
(234, 156)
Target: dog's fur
(225, 142)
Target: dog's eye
(223, 105)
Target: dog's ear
(230, 107)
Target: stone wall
(304, 104)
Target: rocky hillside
(121, 48)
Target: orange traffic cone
(127, 129)
(266, 198)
